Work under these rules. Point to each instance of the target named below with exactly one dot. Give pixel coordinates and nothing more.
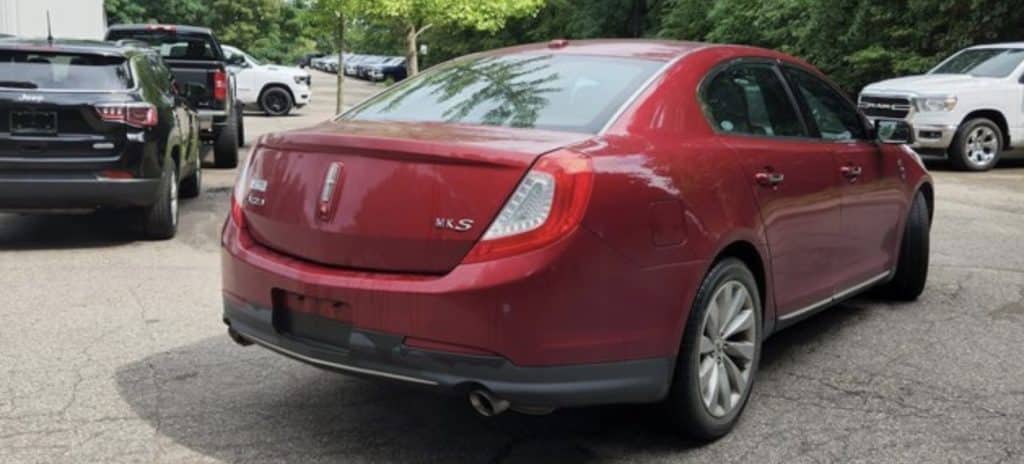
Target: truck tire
(241, 125)
(276, 101)
(160, 221)
(225, 148)
(977, 145)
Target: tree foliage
(854, 41)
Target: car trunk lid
(389, 197)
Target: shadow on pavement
(40, 232)
(248, 404)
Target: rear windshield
(554, 92)
(173, 45)
(63, 71)
(983, 62)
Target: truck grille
(885, 107)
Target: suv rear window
(572, 93)
(174, 45)
(63, 71)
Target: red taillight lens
(548, 204)
(237, 215)
(142, 115)
(220, 85)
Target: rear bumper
(74, 191)
(384, 356)
(570, 324)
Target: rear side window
(174, 46)
(835, 116)
(554, 92)
(63, 71)
(748, 98)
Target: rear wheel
(276, 101)
(192, 186)
(912, 269)
(977, 145)
(160, 221)
(240, 117)
(225, 149)
(719, 353)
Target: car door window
(750, 98)
(835, 117)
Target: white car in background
(275, 90)
(968, 109)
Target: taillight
(220, 85)
(548, 204)
(142, 115)
(237, 215)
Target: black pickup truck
(200, 72)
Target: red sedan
(575, 223)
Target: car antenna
(49, 28)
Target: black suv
(88, 125)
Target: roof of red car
(662, 50)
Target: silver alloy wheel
(174, 198)
(982, 145)
(727, 348)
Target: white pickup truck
(968, 109)
(274, 89)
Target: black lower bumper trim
(384, 356)
(40, 192)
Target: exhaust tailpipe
(487, 405)
(238, 338)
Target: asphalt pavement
(112, 350)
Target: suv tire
(160, 221)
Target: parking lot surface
(112, 350)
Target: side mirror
(894, 132)
(236, 60)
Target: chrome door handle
(769, 179)
(851, 172)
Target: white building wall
(71, 19)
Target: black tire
(192, 186)
(225, 149)
(276, 101)
(160, 221)
(240, 117)
(912, 268)
(966, 154)
(685, 405)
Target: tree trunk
(637, 18)
(412, 52)
(339, 101)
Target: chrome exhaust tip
(238, 338)
(487, 405)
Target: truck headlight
(302, 80)
(931, 104)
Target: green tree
(417, 16)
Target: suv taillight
(220, 85)
(142, 115)
(547, 205)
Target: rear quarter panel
(667, 193)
